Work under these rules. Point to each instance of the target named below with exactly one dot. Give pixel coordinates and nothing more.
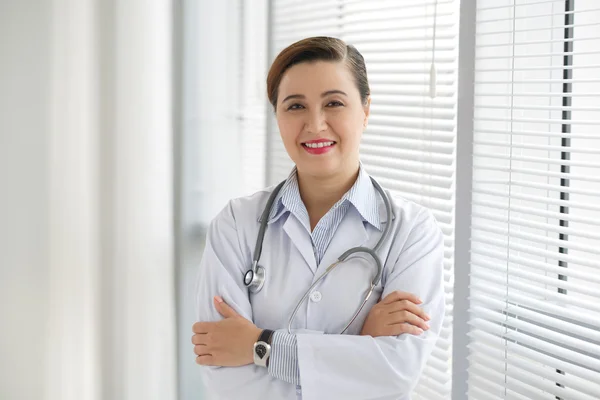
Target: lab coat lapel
(301, 239)
(351, 232)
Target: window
(535, 275)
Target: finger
(224, 309)
(199, 338)
(399, 295)
(408, 306)
(399, 329)
(201, 327)
(407, 317)
(205, 360)
(201, 350)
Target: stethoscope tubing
(258, 275)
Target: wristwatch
(262, 348)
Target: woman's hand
(226, 343)
(397, 313)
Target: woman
(320, 94)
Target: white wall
(24, 119)
(86, 257)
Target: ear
(367, 111)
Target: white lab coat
(332, 366)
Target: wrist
(256, 334)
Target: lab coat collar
(278, 208)
(363, 196)
(351, 232)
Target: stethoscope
(254, 279)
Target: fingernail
(419, 331)
(420, 301)
(426, 327)
(427, 317)
(218, 299)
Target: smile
(317, 145)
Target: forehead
(316, 77)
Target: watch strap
(266, 336)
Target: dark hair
(320, 48)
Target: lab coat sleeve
(220, 273)
(363, 367)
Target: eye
(335, 103)
(295, 106)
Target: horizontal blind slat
(503, 257)
(539, 199)
(537, 55)
(543, 358)
(581, 359)
(534, 277)
(500, 279)
(537, 147)
(552, 308)
(538, 172)
(538, 160)
(547, 227)
(479, 237)
(542, 333)
(482, 372)
(515, 4)
(497, 357)
(538, 239)
(478, 296)
(530, 378)
(516, 18)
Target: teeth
(318, 145)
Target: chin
(319, 168)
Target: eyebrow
(301, 96)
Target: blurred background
(126, 126)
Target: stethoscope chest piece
(254, 279)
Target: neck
(319, 194)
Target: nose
(316, 122)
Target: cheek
(289, 128)
(347, 129)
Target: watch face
(261, 350)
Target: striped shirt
(283, 363)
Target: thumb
(224, 309)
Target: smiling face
(321, 117)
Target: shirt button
(315, 296)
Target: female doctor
(293, 316)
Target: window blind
(535, 276)
(409, 145)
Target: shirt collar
(362, 195)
